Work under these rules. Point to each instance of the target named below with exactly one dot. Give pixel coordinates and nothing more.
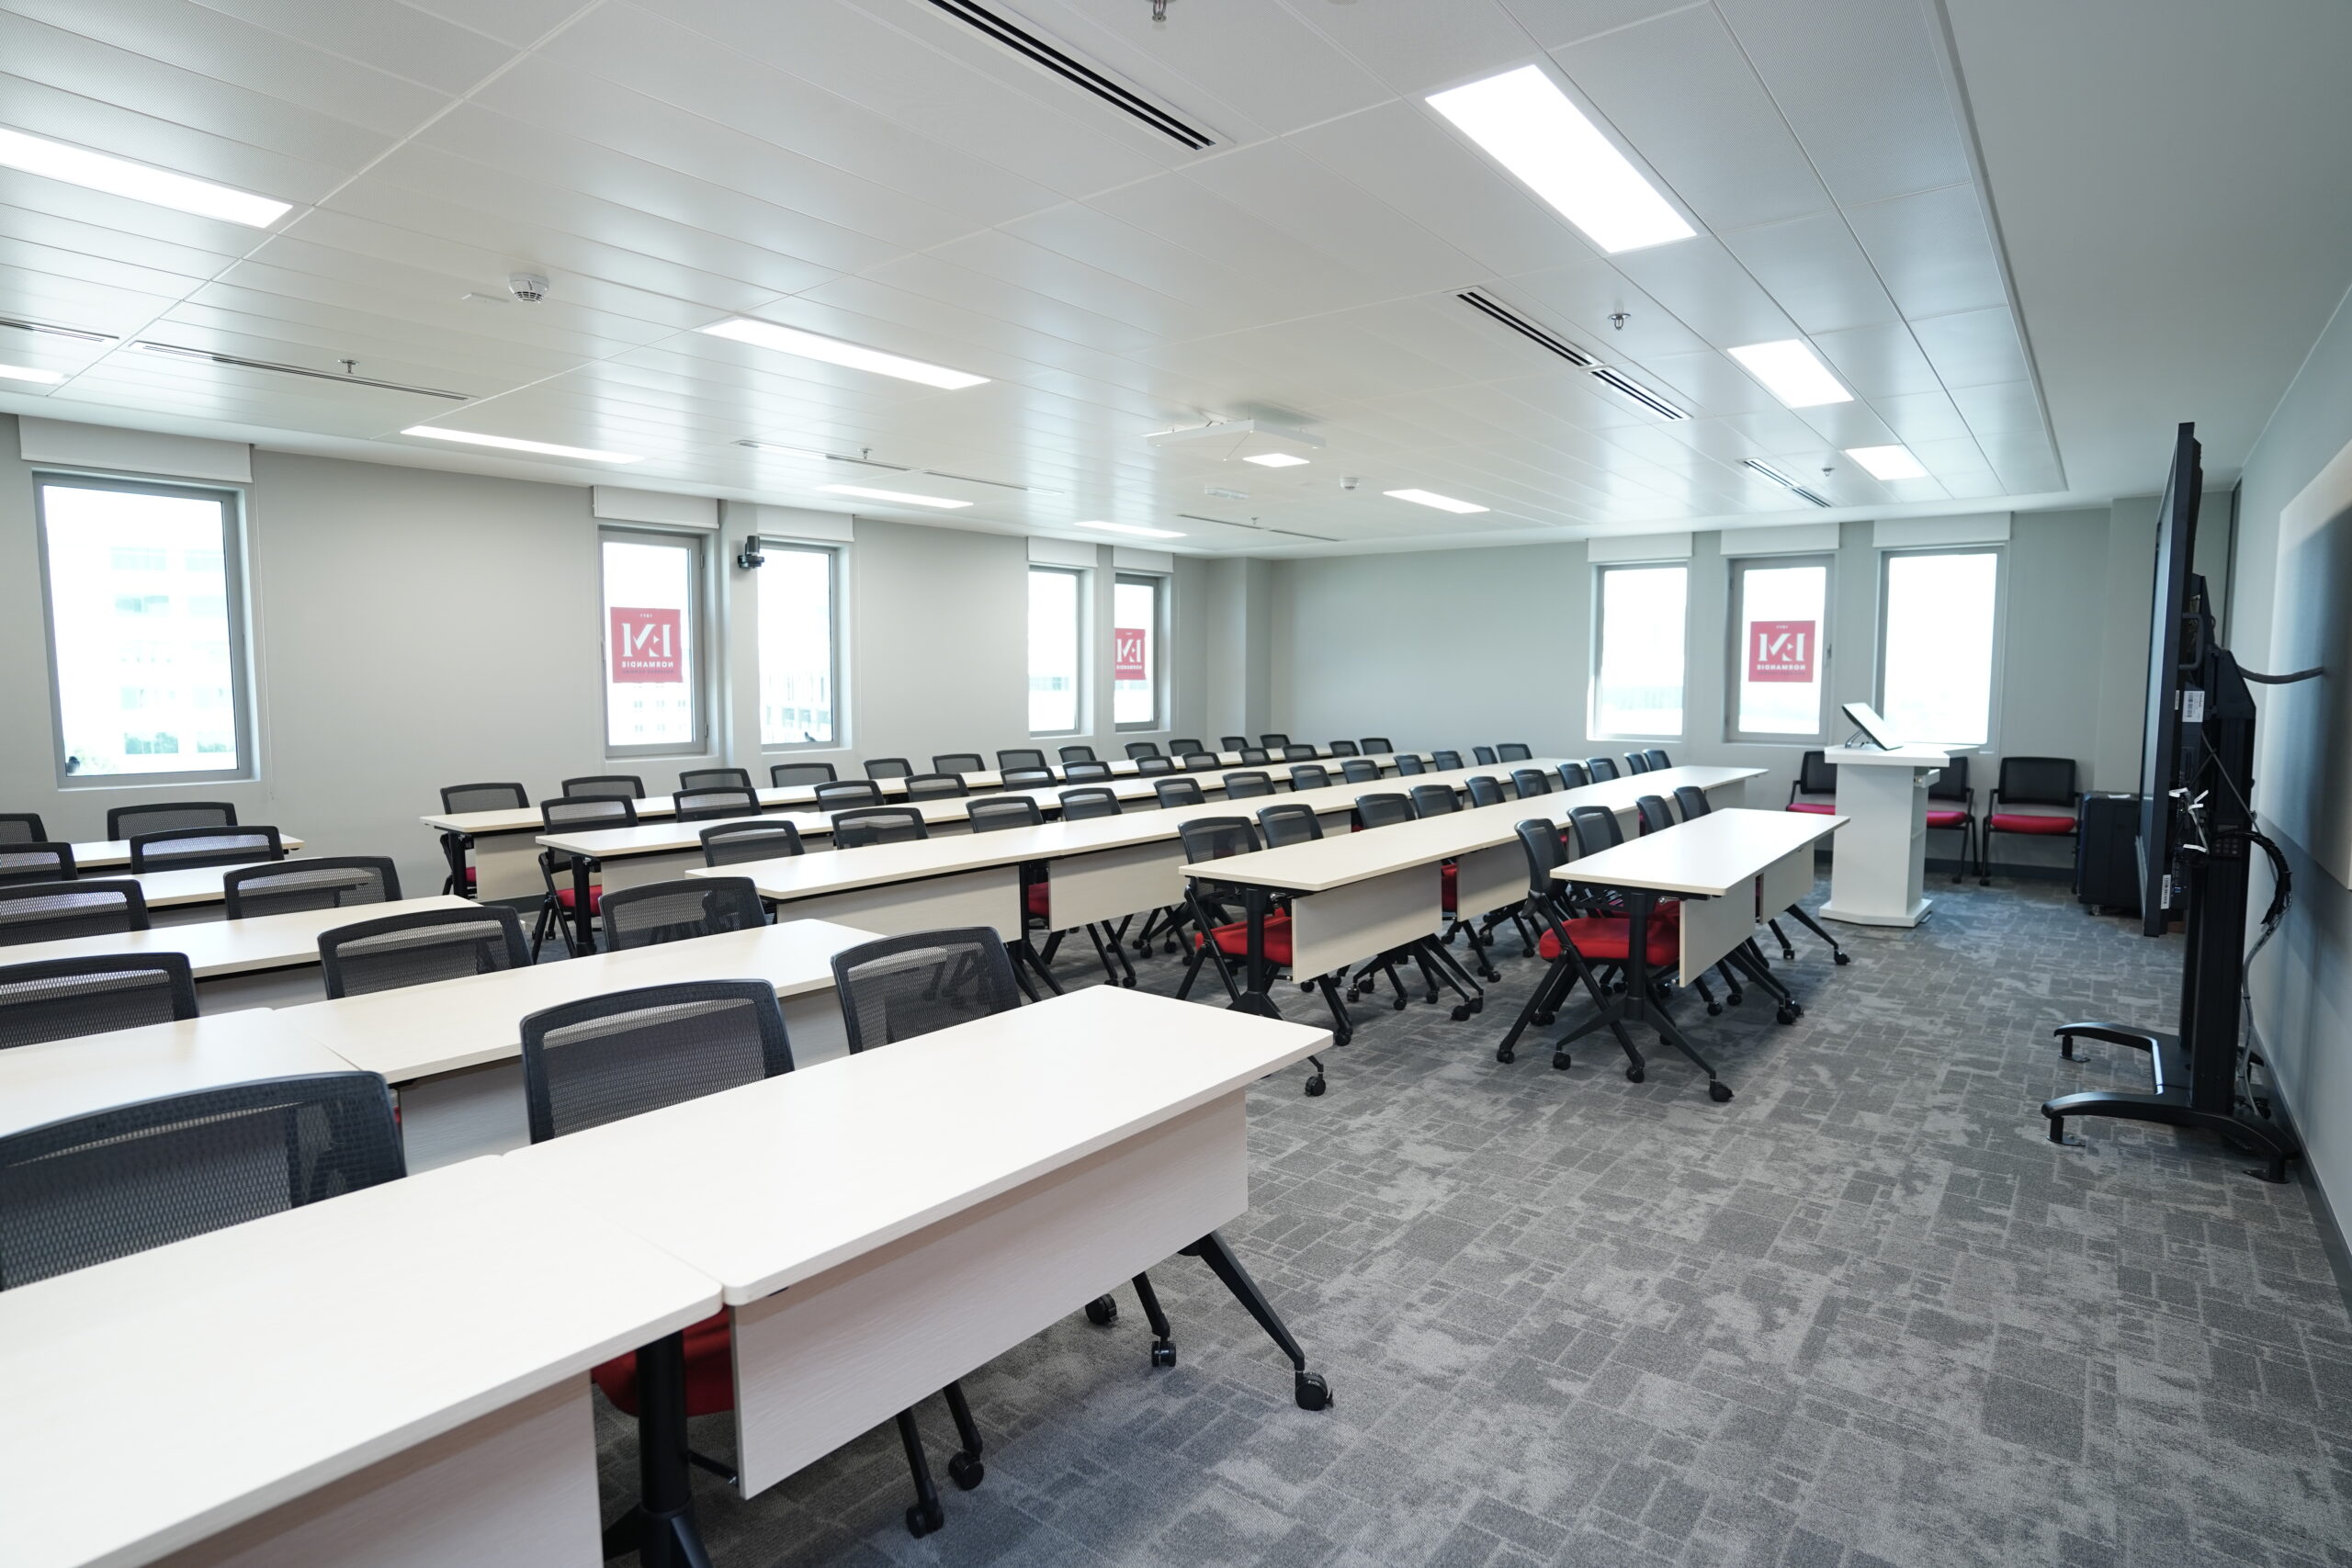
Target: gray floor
(1865, 1314)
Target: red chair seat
(711, 1371)
(1947, 818)
(1817, 807)
(1604, 938)
(2030, 822)
(472, 877)
(1041, 900)
(567, 896)
(1233, 940)
(1445, 886)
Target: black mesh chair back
(626, 786)
(181, 848)
(1273, 742)
(715, 801)
(1434, 800)
(1235, 743)
(1484, 756)
(420, 948)
(605, 1058)
(655, 912)
(993, 813)
(1951, 784)
(1253, 753)
(1692, 800)
(57, 998)
(1575, 775)
(714, 778)
(1028, 778)
(1408, 763)
(1139, 750)
(1539, 840)
(1179, 792)
(329, 882)
(785, 775)
(1533, 781)
(1155, 763)
(1512, 751)
(1385, 810)
(1360, 770)
(1218, 838)
(1655, 815)
(1817, 774)
(870, 824)
(1310, 775)
(1378, 746)
(887, 767)
(32, 860)
(1185, 748)
(1599, 768)
(1246, 785)
(1485, 789)
(959, 763)
(1445, 761)
(53, 911)
(21, 828)
(739, 843)
(1078, 805)
(1344, 749)
(1636, 763)
(587, 814)
(101, 1186)
(902, 987)
(130, 821)
(1596, 828)
(2037, 781)
(1019, 757)
(1078, 754)
(936, 786)
(1080, 772)
(848, 794)
(1658, 759)
(1296, 753)
(1200, 762)
(1289, 823)
(484, 797)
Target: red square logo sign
(1780, 650)
(1127, 654)
(648, 647)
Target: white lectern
(1879, 860)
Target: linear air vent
(1220, 522)
(1256, 527)
(1294, 533)
(1786, 483)
(1030, 47)
(1618, 381)
(870, 463)
(1528, 329)
(966, 478)
(177, 352)
(74, 332)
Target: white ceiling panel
(516, 22)
(1418, 48)
(1814, 269)
(399, 40)
(2002, 408)
(1916, 417)
(1704, 384)
(1586, 293)
(1283, 188)
(1554, 23)
(1933, 250)
(1973, 348)
(1879, 362)
(1708, 292)
(232, 154)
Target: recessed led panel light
(1140, 532)
(1431, 498)
(1275, 460)
(140, 182)
(509, 444)
(903, 498)
(1529, 126)
(27, 373)
(834, 351)
(1888, 462)
(1791, 372)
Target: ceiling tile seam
(332, 53)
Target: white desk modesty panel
(1718, 863)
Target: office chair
(1019, 757)
(1273, 742)
(1513, 751)
(654, 912)
(34, 860)
(1377, 746)
(1344, 749)
(1572, 941)
(1309, 775)
(692, 779)
(1484, 789)
(992, 814)
(1139, 750)
(58, 998)
(959, 763)
(1200, 762)
(1078, 754)
(1529, 783)
(558, 910)
(1406, 763)
(739, 843)
(2030, 781)
(1237, 743)
(887, 767)
(1241, 785)
(1082, 804)
(53, 912)
(1155, 763)
(1951, 784)
(848, 794)
(786, 774)
(24, 827)
(1816, 777)
(712, 802)
(1039, 777)
(936, 786)
(1575, 775)
(1298, 753)
(1654, 814)
(1253, 754)
(420, 948)
(1383, 810)
(1445, 761)
(1085, 772)
(1658, 759)
(1429, 955)
(180, 849)
(130, 821)
(1289, 824)
(1484, 756)
(104, 1185)
(1438, 800)
(466, 797)
(1218, 936)
(327, 882)
(1185, 748)
(1636, 763)
(1360, 770)
(1179, 792)
(1599, 768)
(870, 824)
(1435, 799)
(626, 786)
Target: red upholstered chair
(1952, 809)
(1817, 779)
(2046, 784)
(560, 910)
(1222, 939)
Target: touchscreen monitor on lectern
(1865, 720)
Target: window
(1054, 687)
(653, 636)
(1936, 646)
(1637, 681)
(1138, 648)
(1781, 654)
(141, 692)
(798, 647)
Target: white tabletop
(115, 853)
(1705, 857)
(232, 947)
(58, 1078)
(163, 1397)
(898, 1137)
(418, 1030)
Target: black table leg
(1258, 981)
(1309, 1389)
(582, 935)
(664, 1517)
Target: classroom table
(53, 1079)
(111, 855)
(452, 1050)
(174, 898)
(391, 1379)
(979, 1184)
(260, 961)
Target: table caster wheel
(1103, 1312)
(1560, 1061)
(1845, 958)
(1788, 956)
(965, 1469)
(1786, 1015)
(1633, 1075)
(1506, 1055)
(921, 1521)
(1312, 1392)
(1461, 1011)
(1719, 1091)
(1314, 1086)
(1715, 1010)
(1163, 1353)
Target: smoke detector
(527, 286)
(1247, 440)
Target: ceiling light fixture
(1431, 498)
(834, 351)
(1791, 372)
(511, 444)
(1889, 462)
(140, 182)
(1525, 123)
(1139, 532)
(903, 498)
(27, 373)
(1276, 460)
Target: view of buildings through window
(1054, 622)
(1638, 687)
(1936, 659)
(797, 676)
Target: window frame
(836, 568)
(1600, 570)
(1162, 591)
(698, 601)
(1991, 743)
(1079, 699)
(230, 499)
(1736, 644)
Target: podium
(1879, 860)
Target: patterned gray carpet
(1863, 1314)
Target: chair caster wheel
(1163, 1353)
(1844, 958)
(1478, 1004)
(921, 1521)
(1312, 1392)
(1314, 1086)
(1715, 1010)
(1461, 1012)
(1560, 1061)
(1786, 1015)
(1719, 1091)
(1129, 982)
(1430, 999)
(1103, 1312)
(1506, 1055)
(965, 1469)
(1788, 956)
(1396, 1006)
(1633, 1075)
(1541, 1019)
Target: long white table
(109, 855)
(57, 1079)
(192, 893)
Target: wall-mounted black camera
(750, 559)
